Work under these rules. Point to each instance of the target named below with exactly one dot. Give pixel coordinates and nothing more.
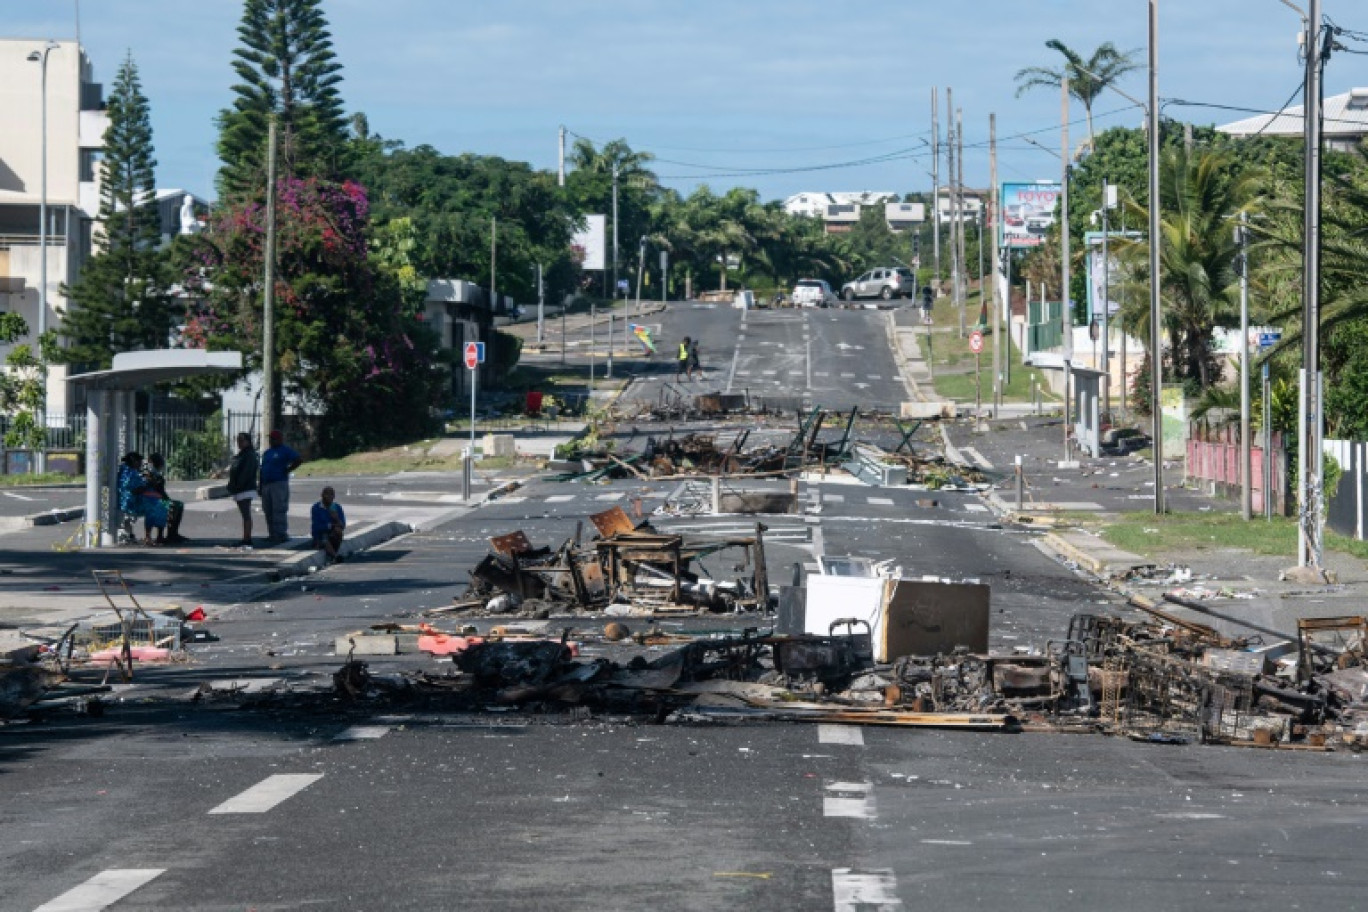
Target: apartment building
(76, 123)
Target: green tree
(286, 68)
(589, 189)
(1087, 78)
(22, 387)
(122, 300)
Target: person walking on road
(242, 483)
(277, 463)
(682, 366)
(694, 363)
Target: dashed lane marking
(612, 495)
(102, 890)
(560, 498)
(976, 508)
(950, 842)
(847, 376)
(873, 377)
(840, 734)
(879, 501)
(834, 498)
(267, 793)
(362, 733)
(822, 374)
(849, 799)
(511, 499)
(864, 891)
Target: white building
(76, 123)
(1345, 119)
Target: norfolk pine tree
(121, 301)
(286, 67)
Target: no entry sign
(976, 341)
(474, 354)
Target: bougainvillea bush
(348, 346)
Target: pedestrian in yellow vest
(682, 364)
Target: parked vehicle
(887, 283)
(813, 293)
(744, 299)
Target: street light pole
(1065, 315)
(1246, 482)
(40, 459)
(615, 229)
(1156, 330)
(1310, 458)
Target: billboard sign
(1027, 213)
(589, 245)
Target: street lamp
(41, 58)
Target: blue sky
(726, 84)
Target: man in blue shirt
(327, 523)
(276, 465)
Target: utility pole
(1156, 328)
(560, 169)
(615, 229)
(995, 307)
(950, 194)
(1065, 315)
(1246, 463)
(959, 218)
(935, 183)
(40, 458)
(1108, 201)
(1310, 458)
(268, 356)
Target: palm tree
(1087, 78)
(1201, 193)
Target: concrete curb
(53, 517)
(1099, 559)
(211, 492)
(363, 540)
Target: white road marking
(614, 495)
(16, 496)
(511, 499)
(847, 376)
(840, 734)
(849, 799)
(560, 498)
(879, 501)
(821, 374)
(769, 373)
(976, 456)
(976, 508)
(267, 793)
(743, 373)
(795, 373)
(873, 377)
(807, 354)
(362, 733)
(864, 891)
(958, 842)
(834, 498)
(102, 890)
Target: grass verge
(35, 480)
(1177, 533)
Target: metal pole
(995, 308)
(565, 339)
(1309, 431)
(950, 192)
(1156, 329)
(641, 268)
(268, 357)
(1125, 391)
(1007, 319)
(962, 282)
(474, 381)
(1267, 447)
(541, 306)
(615, 230)
(664, 275)
(560, 169)
(40, 457)
(95, 409)
(1065, 314)
(935, 183)
(1246, 459)
(593, 316)
(608, 374)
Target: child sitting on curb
(328, 523)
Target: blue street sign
(480, 352)
(1269, 339)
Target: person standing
(327, 522)
(242, 483)
(694, 363)
(277, 463)
(682, 365)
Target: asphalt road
(300, 801)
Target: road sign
(976, 341)
(474, 354)
(1269, 339)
